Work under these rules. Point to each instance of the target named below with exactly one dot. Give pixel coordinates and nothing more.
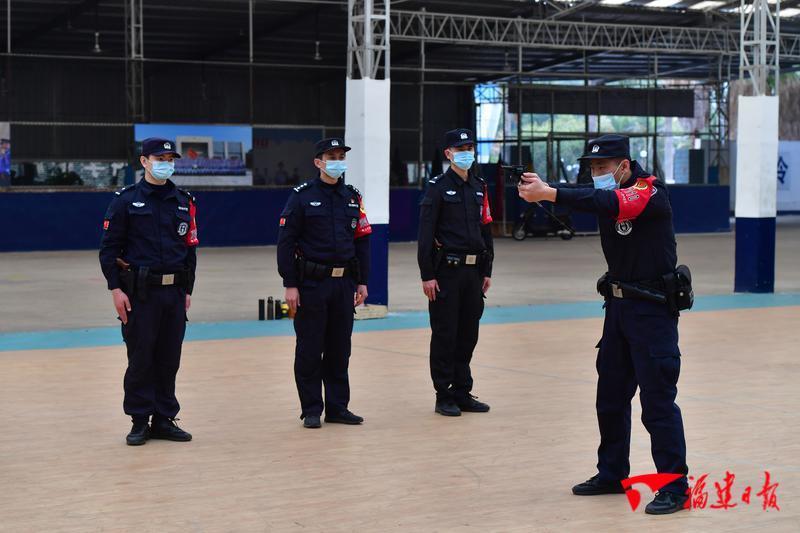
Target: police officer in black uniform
(148, 257)
(455, 253)
(639, 346)
(323, 258)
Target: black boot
(311, 422)
(139, 434)
(447, 407)
(470, 404)
(594, 486)
(666, 503)
(344, 417)
(167, 429)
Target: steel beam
(368, 38)
(572, 35)
(760, 43)
(134, 56)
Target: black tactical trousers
(324, 326)
(455, 316)
(154, 336)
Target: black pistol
(514, 173)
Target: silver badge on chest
(624, 227)
(183, 228)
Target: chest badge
(138, 204)
(183, 228)
(450, 193)
(624, 227)
(354, 223)
(182, 208)
(315, 204)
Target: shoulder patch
(187, 194)
(122, 190)
(301, 186)
(352, 188)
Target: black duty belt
(137, 281)
(319, 271)
(640, 290)
(173, 278)
(673, 289)
(457, 259)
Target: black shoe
(139, 434)
(470, 404)
(666, 503)
(447, 408)
(593, 486)
(167, 429)
(345, 417)
(312, 422)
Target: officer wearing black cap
(148, 257)
(455, 253)
(323, 258)
(639, 346)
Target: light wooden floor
(565, 272)
(251, 467)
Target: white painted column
(367, 133)
(756, 190)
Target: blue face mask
(335, 169)
(162, 170)
(464, 160)
(606, 181)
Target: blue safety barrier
(73, 220)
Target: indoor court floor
(252, 467)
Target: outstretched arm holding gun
(533, 189)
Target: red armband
(486, 211)
(363, 228)
(191, 235)
(633, 200)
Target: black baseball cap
(458, 137)
(329, 144)
(158, 146)
(609, 146)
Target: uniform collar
(457, 179)
(471, 179)
(148, 189)
(338, 188)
